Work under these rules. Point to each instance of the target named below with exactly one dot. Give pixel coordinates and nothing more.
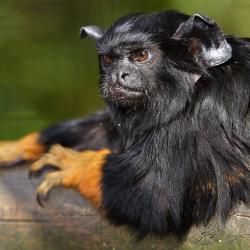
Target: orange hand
(79, 170)
(27, 148)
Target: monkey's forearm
(94, 132)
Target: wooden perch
(68, 222)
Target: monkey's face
(128, 69)
(141, 56)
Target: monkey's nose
(123, 76)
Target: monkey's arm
(94, 132)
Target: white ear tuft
(92, 32)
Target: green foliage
(48, 74)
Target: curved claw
(33, 174)
(50, 181)
(41, 199)
(38, 173)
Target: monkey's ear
(92, 32)
(206, 41)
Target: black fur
(185, 152)
(94, 132)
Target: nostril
(124, 75)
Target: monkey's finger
(50, 181)
(62, 152)
(58, 158)
(39, 172)
(13, 163)
(43, 164)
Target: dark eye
(140, 56)
(108, 59)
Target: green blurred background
(47, 74)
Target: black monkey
(172, 149)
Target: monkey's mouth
(128, 89)
(119, 91)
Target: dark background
(47, 74)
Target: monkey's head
(142, 55)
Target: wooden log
(68, 222)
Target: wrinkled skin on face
(130, 62)
(129, 71)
